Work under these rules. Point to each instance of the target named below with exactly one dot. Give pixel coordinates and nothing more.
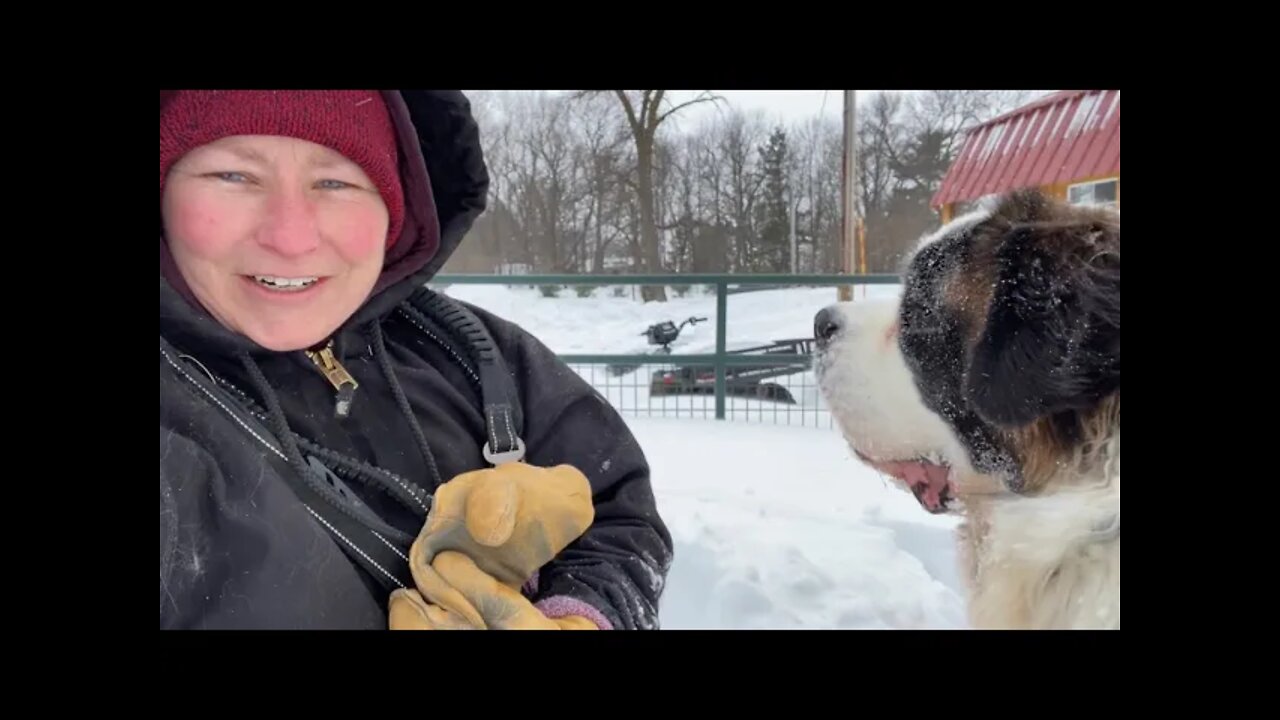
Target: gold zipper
(337, 376)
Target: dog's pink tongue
(927, 481)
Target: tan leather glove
(508, 521)
(409, 611)
(499, 606)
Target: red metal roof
(1066, 136)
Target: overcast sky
(786, 106)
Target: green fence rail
(721, 360)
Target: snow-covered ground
(775, 526)
(778, 527)
(606, 323)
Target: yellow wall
(1056, 190)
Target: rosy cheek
(201, 227)
(359, 232)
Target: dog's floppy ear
(1051, 341)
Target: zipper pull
(338, 377)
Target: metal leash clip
(496, 459)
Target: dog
(991, 389)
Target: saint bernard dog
(991, 388)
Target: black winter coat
(239, 549)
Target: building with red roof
(1067, 144)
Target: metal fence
(767, 384)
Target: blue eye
(232, 177)
(333, 185)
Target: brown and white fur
(991, 388)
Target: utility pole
(795, 261)
(849, 176)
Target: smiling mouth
(929, 481)
(277, 283)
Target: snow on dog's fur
(991, 388)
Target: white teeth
(285, 284)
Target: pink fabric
(559, 606)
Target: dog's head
(1008, 329)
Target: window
(965, 207)
(1103, 192)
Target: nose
(289, 226)
(826, 325)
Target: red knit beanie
(355, 123)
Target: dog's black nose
(826, 325)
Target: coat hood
(445, 183)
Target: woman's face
(279, 239)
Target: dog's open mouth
(930, 482)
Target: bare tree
(587, 181)
(880, 137)
(949, 113)
(603, 141)
(646, 111)
(819, 144)
(737, 139)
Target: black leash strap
(352, 524)
(384, 558)
(324, 495)
(504, 421)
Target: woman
(312, 406)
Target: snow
(1044, 123)
(781, 528)
(1017, 133)
(1081, 121)
(993, 139)
(606, 323)
(775, 527)
(1061, 111)
(1031, 123)
(1115, 104)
